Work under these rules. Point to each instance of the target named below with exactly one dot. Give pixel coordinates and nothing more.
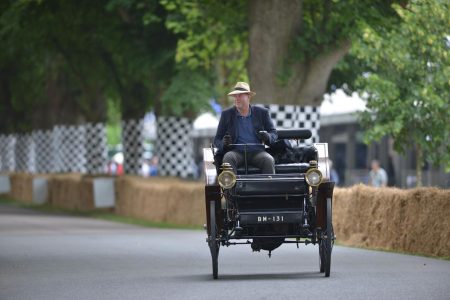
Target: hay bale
(389, 218)
(28, 188)
(168, 200)
(71, 191)
(22, 187)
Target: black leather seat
(291, 168)
(250, 170)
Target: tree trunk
(273, 24)
(419, 164)
(7, 113)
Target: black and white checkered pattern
(7, 148)
(174, 147)
(24, 152)
(96, 148)
(294, 116)
(44, 151)
(63, 149)
(70, 151)
(133, 145)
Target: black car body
(267, 210)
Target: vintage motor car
(293, 206)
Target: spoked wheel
(213, 243)
(326, 243)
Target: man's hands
(264, 136)
(227, 141)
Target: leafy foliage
(407, 81)
(213, 35)
(73, 55)
(212, 38)
(328, 22)
(335, 21)
(188, 94)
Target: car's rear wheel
(213, 242)
(329, 239)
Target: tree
(188, 94)
(72, 55)
(139, 55)
(50, 49)
(292, 45)
(212, 42)
(406, 82)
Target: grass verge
(97, 214)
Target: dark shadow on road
(241, 277)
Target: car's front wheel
(214, 244)
(326, 242)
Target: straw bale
(413, 220)
(168, 200)
(72, 191)
(22, 187)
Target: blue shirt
(246, 133)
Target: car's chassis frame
(266, 211)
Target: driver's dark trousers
(259, 159)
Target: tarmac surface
(48, 256)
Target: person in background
(153, 167)
(245, 124)
(145, 169)
(377, 175)
(333, 174)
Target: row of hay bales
(70, 191)
(415, 220)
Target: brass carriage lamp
(227, 179)
(313, 176)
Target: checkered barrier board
(69, 143)
(63, 149)
(294, 116)
(96, 148)
(133, 145)
(44, 151)
(174, 147)
(7, 149)
(24, 153)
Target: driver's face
(241, 101)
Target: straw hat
(241, 88)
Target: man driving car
(245, 124)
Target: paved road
(63, 257)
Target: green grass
(96, 214)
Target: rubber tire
(213, 244)
(329, 240)
(321, 256)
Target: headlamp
(313, 177)
(227, 179)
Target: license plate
(270, 218)
(262, 219)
